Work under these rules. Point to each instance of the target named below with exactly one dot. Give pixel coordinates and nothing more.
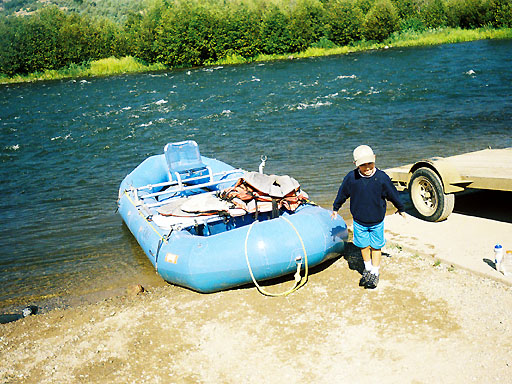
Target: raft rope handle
(299, 281)
(147, 221)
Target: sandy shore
(426, 323)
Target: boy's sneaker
(372, 282)
(365, 278)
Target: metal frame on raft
(144, 208)
(181, 188)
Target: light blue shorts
(369, 236)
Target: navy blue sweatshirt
(368, 196)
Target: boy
(368, 188)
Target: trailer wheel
(427, 195)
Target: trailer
(432, 183)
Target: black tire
(428, 197)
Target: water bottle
(498, 256)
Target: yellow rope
(153, 228)
(299, 281)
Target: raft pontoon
(207, 226)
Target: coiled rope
(299, 281)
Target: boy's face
(366, 168)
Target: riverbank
(428, 321)
(114, 66)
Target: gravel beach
(428, 321)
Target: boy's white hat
(363, 154)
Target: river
(66, 145)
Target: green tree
(501, 13)
(365, 5)
(140, 31)
(184, 36)
(52, 39)
(237, 32)
(406, 9)
(344, 22)
(275, 34)
(41, 38)
(11, 56)
(432, 13)
(31, 43)
(381, 21)
(306, 24)
(109, 39)
(470, 13)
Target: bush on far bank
(193, 32)
(381, 21)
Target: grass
(447, 36)
(112, 65)
(103, 67)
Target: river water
(66, 145)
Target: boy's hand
(334, 214)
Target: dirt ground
(425, 323)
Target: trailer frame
(432, 183)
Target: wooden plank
(485, 169)
(495, 163)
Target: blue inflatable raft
(207, 226)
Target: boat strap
(275, 209)
(299, 281)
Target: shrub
(381, 21)
(274, 33)
(364, 5)
(470, 13)
(406, 9)
(184, 37)
(412, 24)
(10, 57)
(324, 43)
(306, 24)
(237, 33)
(140, 31)
(344, 22)
(432, 13)
(501, 13)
